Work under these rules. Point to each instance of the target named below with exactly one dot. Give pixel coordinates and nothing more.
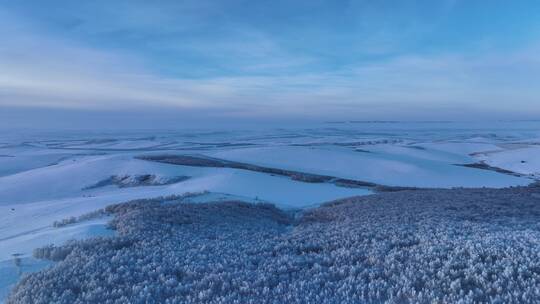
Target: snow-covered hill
(47, 177)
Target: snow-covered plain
(385, 165)
(523, 159)
(48, 176)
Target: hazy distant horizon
(46, 119)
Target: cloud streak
(270, 79)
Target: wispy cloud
(257, 73)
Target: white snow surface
(386, 165)
(522, 159)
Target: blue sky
(272, 60)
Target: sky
(149, 63)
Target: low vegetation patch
(124, 181)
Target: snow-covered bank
(460, 245)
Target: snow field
(524, 160)
(386, 165)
